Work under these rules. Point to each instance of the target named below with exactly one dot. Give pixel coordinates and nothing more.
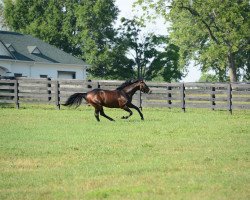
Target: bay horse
(121, 97)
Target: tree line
(214, 34)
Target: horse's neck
(131, 90)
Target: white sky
(126, 10)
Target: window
(66, 75)
(4, 52)
(10, 47)
(18, 75)
(34, 50)
(43, 76)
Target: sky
(126, 10)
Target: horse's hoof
(142, 118)
(123, 117)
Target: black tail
(75, 99)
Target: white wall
(34, 70)
(5, 67)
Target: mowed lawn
(51, 154)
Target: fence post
(182, 91)
(49, 88)
(229, 97)
(169, 97)
(88, 85)
(57, 93)
(213, 98)
(16, 94)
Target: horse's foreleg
(97, 114)
(104, 115)
(138, 110)
(129, 111)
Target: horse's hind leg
(128, 110)
(104, 115)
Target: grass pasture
(66, 154)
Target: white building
(26, 56)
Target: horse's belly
(113, 103)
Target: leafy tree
(83, 28)
(52, 21)
(207, 77)
(95, 20)
(120, 67)
(214, 33)
(2, 20)
(153, 56)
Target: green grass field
(66, 154)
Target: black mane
(126, 83)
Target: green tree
(207, 77)
(52, 21)
(95, 20)
(83, 28)
(2, 20)
(214, 33)
(153, 56)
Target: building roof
(28, 48)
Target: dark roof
(24, 44)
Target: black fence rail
(228, 96)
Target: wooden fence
(227, 96)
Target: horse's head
(143, 87)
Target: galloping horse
(119, 98)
